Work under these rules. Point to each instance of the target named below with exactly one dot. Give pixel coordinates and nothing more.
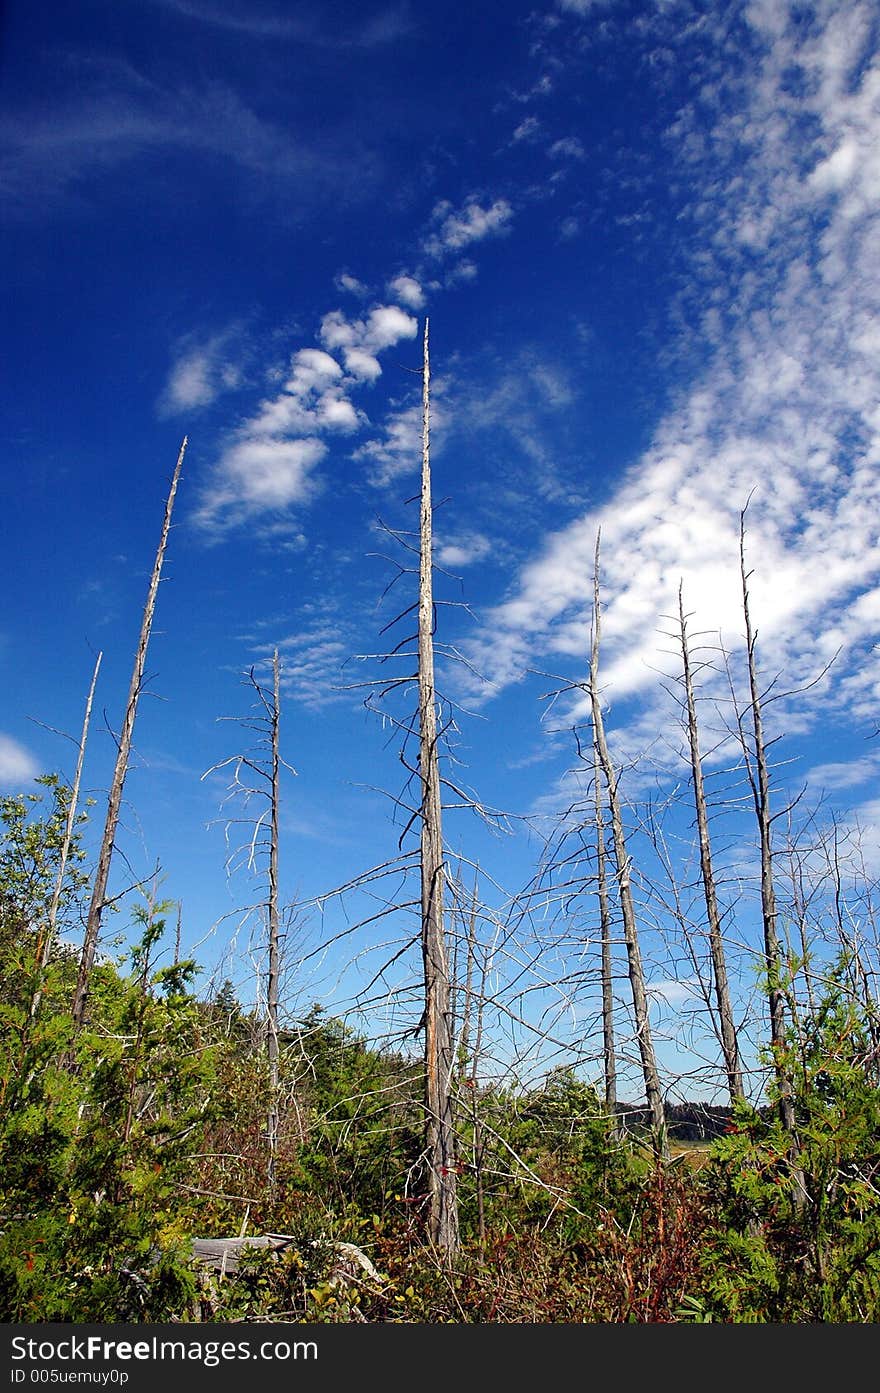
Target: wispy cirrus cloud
(781, 282)
(312, 659)
(117, 115)
(263, 19)
(397, 451)
(567, 148)
(203, 369)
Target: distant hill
(685, 1121)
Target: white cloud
(674, 992)
(849, 774)
(17, 765)
(312, 400)
(582, 7)
(201, 372)
(400, 449)
(471, 223)
(361, 340)
(313, 659)
(569, 148)
(269, 464)
(261, 475)
(189, 384)
(785, 297)
(351, 285)
(528, 129)
(462, 550)
(408, 291)
(462, 273)
(362, 365)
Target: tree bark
(47, 938)
(439, 1060)
(726, 1026)
(99, 889)
(274, 934)
(760, 784)
(651, 1076)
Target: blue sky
(646, 236)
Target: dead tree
(262, 781)
(114, 802)
(651, 1076)
(46, 940)
(439, 1050)
(757, 772)
(726, 1026)
(274, 712)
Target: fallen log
(224, 1254)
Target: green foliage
(361, 1123)
(95, 1146)
(549, 1155)
(801, 1235)
(149, 1126)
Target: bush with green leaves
(97, 1131)
(801, 1215)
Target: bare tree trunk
(274, 934)
(609, 1057)
(636, 972)
(727, 1028)
(99, 889)
(759, 779)
(47, 937)
(439, 1062)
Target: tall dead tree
(274, 712)
(726, 1025)
(608, 1052)
(114, 802)
(46, 939)
(257, 775)
(759, 782)
(651, 1076)
(439, 1050)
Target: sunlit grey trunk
(114, 802)
(272, 993)
(759, 779)
(608, 1054)
(47, 936)
(439, 1062)
(726, 1025)
(274, 933)
(653, 1091)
